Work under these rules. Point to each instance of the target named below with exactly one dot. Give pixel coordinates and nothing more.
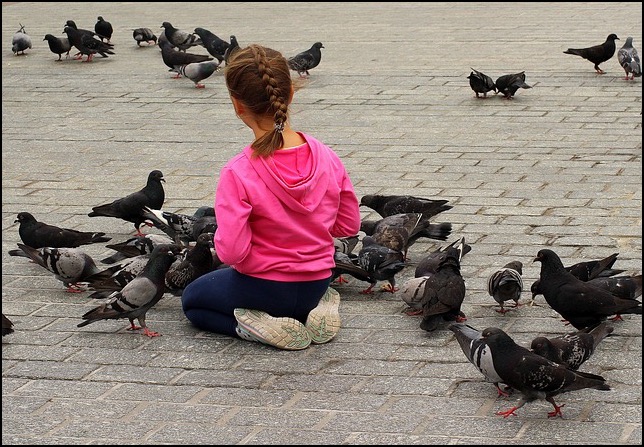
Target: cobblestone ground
(558, 166)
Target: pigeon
(478, 353)
(58, 45)
(534, 376)
(130, 207)
(198, 71)
(39, 234)
(197, 262)
(506, 284)
(510, 83)
(627, 287)
(347, 265)
(115, 277)
(306, 60)
(139, 295)
(578, 302)
(428, 265)
(69, 265)
(135, 246)
(381, 263)
(387, 205)
(175, 59)
(597, 53)
(103, 29)
(20, 41)
(629, 60)
(7, 325)
(146, 35)
(183, 227)
(571, 350)
(481, 83)
(232, 48)
(180, 38)
(86, 44)
(214, 45)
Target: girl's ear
(238, 106)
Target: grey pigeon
(346, 264)
(146, 35)
(103, 29)
(629, 60)
(232, 48)
(571, 350)
(175, 59)
(214, 44)
(506, 284)
(68, 265)
(481, 83)
(510, 83)
(578, 302)
(197, 261)
(198, 71)
(115, 277)
(7, 325)
(183, 227)
(21, 41)
(37, 234)
(387, 205)
(306, 60)
(381, 264)
(180, 38)
(139, 295)
(534, 376)
(58, 45)
(87, 45)
(135, 246)
(130, 208)
(597, 54)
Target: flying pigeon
(571, 350)
(58, 45)
(381, 263)
(103, 29)
(183, 227)
(198, 71)
(213, 44)
(232, 48)
(68, 265)
(306, 60)
(629, 60)
(37, 234)
(597, 53)
(180, 38)
(135, 246)
(130, 208)
(7, 325)
(510, 83)
(20, 41)
(87, 45)
(481, 83)
(506, 284)
(387, 205)
(175, 59)
(146, 35)
(578, 302)
(534, 376)
(196, 262)
(139, 295)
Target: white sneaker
(283, 332)
(323, 322)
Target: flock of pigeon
(146, 266)
(509, 84)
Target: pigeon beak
(162, 179)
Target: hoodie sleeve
(232, 208)
(347, 222)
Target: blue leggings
(209, 301)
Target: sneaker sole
(283, 333)
(323, 323)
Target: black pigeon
(197, 261)
(146, 35)
(137, 297)
(597, 53)
(214, 44)
(534, 376)
(86, 44)
(175, 59)
(198, 71)
(429, 264)
(135, 246)
(481, 83)
(68, 265)
(39, 234)
(381, 264)
(571, 350)
(58, 45)
(510, 83)
(387, 205)
(7, 325)
(183, 227)
(306, 60)
(130, 208)
(232, 48)
(506, 284)
(626, 286)
(180, 38)
(629, 60)
(478, 353)
(578, 302)
(347, 265)
(103, 29)
(21, 41)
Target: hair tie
(279, 127)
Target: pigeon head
(156, 175)
(548, 256)
(613, 37)
(24, 217)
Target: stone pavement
(559, 166)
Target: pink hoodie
(277, 216)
